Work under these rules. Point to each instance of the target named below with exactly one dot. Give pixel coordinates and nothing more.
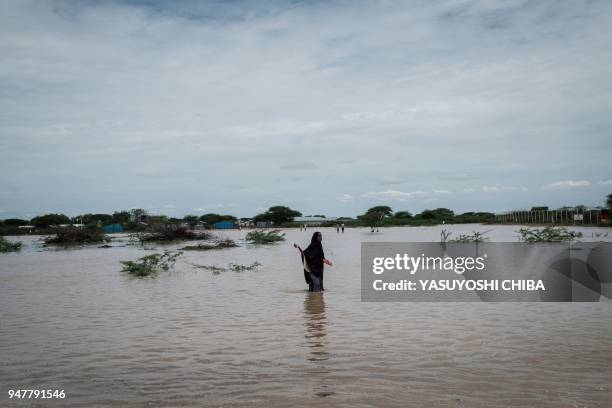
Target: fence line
(574, 216)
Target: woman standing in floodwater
(314, 260)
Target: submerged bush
(76, 236)
(169, 233)
(213, 268)
(444, 234)
(239, 268)
(475, 237)
(232, 267)
(8, 246)
(265, 237)
(150, 264)
(548, 234)
(226, 243)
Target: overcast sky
(327, 107)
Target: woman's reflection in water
(316, 321)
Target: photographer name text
(458, 265)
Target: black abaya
(314, 257)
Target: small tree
(191, 219)
(375, 215)
(120, 217)
(278, 215)
(15, 222)
(381, 210)
(212, 218)
(137, 215)
(47, 220)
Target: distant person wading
(313, 261)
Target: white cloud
(605, 182)
(498, 189)
(389, 195)
(210, 208)
(396, 195)
(566, 184)
(345, 198)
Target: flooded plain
(71, 320)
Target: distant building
(246, 223)
(224, 225)
(112, 228)
(264, 224)
(313, 220)
(199, 226)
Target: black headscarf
(314, 255)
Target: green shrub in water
(240, 268)
(265, 237)
(150, 264)
(161, 233)
(216, 270)
(7, 246)
(76, 236)
(548, 234)
(475, 237)
(213, 268)
(226, 243)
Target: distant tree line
(138, 219)
(380, 216)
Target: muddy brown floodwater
(71, 320)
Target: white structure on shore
(313, 220)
